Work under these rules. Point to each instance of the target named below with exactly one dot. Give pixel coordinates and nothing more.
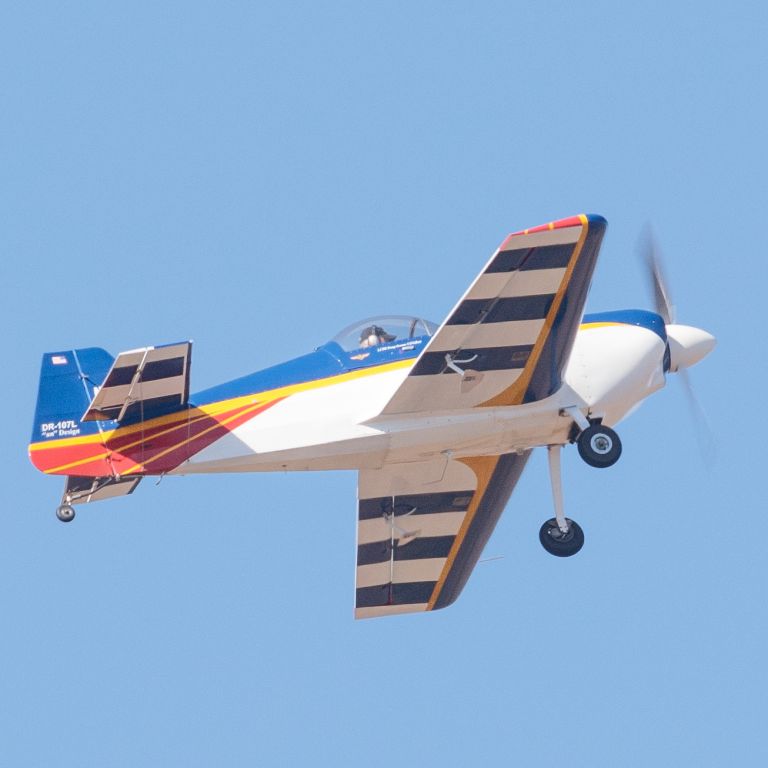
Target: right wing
(508, 339)
(422, 527)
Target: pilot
(374, 335)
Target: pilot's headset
(372, 330)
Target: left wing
(422, 527)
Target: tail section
(104, 417)
(67, 383)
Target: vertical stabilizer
(67, 383)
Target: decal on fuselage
(403, 346)
(56, 429)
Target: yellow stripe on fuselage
(187, 440)
(100, 456)
(589, 326)
(213, 409)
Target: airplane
(438, 421)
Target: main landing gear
(558, 543)
(559, 536)
(600, 447)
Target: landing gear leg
(559, 536)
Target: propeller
(649, 253)
(687, 345)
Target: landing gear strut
(560, 536)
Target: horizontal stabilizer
(142, 383)
(83, 490)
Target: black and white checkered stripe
(499, 319)
(400, 557)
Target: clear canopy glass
(385, 329)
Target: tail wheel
(599, 446)
(65, 513)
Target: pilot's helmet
(373, 335)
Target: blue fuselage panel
(326, 361)
(639, 317)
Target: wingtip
(596, 219)
(593, 219)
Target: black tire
(65, 513)
(599, 446)
(559, 544)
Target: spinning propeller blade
(649, 253)
(687, 345)
(705, 435)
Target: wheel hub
(65, 513)
(601, 443)
(558, 535)
(558, 543)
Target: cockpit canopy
(385, 329)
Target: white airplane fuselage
(612, 368)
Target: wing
(422, 527)
(508, 339)
(143, 382)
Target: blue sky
(255, 176)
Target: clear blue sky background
(254, 176)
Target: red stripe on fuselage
(153, 450)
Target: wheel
(599, 446)
(558, 543)
(65, 513)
